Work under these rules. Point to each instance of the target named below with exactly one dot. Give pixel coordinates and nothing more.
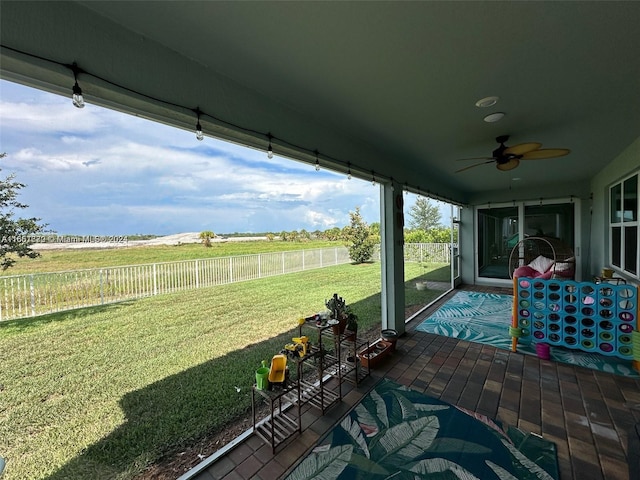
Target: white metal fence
(42, 293)
(39, 294)
(428, 252)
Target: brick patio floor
(586, 413)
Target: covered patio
(397, 93)
(586, 413)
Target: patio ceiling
(390, 87)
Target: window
(623, 225)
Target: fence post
(230, 269)
(283, 262)
(101, 289)
(259, 265)
(155, 281)
(197, 274)
(33, 296)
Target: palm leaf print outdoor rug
(396, 432)
(486, 317)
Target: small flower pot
(391, 336)
(543, 350)
(339, 328)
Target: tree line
(424, 226)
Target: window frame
(618, 225)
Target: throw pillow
(541, 264)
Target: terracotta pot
(339, 329)
(372, 356)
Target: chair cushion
(525, 271)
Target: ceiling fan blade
(522, 148)
(474, 165)
(475, 158)
(546, 153)
(510, 165)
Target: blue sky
(95, 171)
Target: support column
(391, 256)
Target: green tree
(434, 235)
(16, 234)
(358, 238)
(304, 235)
(374, 229)
(206, 236)
(442, 235)
(424, 215)
(416, 236)
(333, 234)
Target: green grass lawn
(102, 392)
(70, 259)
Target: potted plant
(338, 308)
(352, 326)
(421, 284)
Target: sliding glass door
(497, 233)
(500, 228)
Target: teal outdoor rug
(395, 432)
(486, 317)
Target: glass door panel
(497, 235)
(550, 220)
(455, 246)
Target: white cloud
(49, 118)
(71, 139)
(179, 182)
(320, 220)
(32, 158)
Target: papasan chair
(543, 258)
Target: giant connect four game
(594, 317)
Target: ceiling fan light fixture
(487, 102)
(509, 165)
(494, 117)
